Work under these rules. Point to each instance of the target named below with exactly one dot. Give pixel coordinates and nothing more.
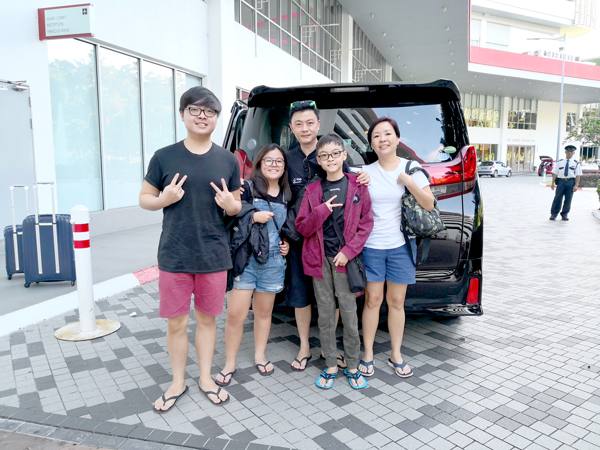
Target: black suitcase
(48, 246)
(13, 236)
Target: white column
(347, 45)
(502, 145)
(220, 59)
(80, 218)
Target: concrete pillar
(347, 45)
(220, 17)
(387, 76)
(502, 144)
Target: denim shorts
(393, 265)
(266, 277)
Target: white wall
(543, 137)
(152, 28)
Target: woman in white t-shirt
(386, 255)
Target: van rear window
(422, 132)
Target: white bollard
(87, 327)
(80, 219)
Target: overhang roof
(427, 40)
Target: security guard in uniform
(565, 177)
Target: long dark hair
(260, 183)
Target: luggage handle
(15, 234)
(53, 225)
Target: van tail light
(454, 177)
(473, 292)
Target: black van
(433, 132)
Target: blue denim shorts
(393, 265)
(266, 277)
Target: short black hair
(303, 105)
(570, 148)
(199, 96)
(330, 138)
(389, 120)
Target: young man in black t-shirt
(195, 182)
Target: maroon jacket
(358, 223)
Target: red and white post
(87, 327)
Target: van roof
(345, 95)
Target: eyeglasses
(196, 111)
(327, 156)
(302, 105)
(273, 162)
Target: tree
(587, 131)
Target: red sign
(70, 21)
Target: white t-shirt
(386, 194)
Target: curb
(56, 306)
(596, 214)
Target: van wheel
(495, 174)
(509, 174)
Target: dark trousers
(564, 188)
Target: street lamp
(560, 104)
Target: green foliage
(587, 131)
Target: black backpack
(416, 220)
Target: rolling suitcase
(13, 235)
(48, 245)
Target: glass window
(295, 20)
(262, 26)
(498, 35)
(274, 34)
(522, 114)
(122, 140)
(74, 97)
(274, 13)
(159, 108)
(247, 17)
(285, 15)
(425, 128)
(236, 7)
(475, 32)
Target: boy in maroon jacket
(329, 206)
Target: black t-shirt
(301, 169)
(193, 238)
(338, 188)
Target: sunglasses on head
(302, 105)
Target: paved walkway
(524, 375)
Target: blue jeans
(564, 189)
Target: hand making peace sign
(332, 205)
(173, 192)
(223, 197)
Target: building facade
(102, 104)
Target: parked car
(434, 133)
(547, 164)
(494, 169)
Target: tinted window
(487, 163)
(422, 133)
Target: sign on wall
(70, 21)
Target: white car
(494, 169)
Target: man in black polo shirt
(302, 168)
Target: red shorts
(176, 290)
